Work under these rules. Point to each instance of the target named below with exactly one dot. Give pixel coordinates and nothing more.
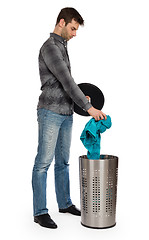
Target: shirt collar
(59, 38)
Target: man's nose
(74, 33)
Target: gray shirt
(59, 91)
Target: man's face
(69, 31)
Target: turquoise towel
(91, 138)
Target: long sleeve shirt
(59, 90)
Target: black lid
(96, 95)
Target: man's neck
(57, 31)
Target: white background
(110, 51)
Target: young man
(55, 117)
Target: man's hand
(97, 114)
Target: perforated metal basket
(98, 187)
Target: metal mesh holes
(96, 193)
(84, 191)
(109, 192)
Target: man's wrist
(88, 106)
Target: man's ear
(62, 23)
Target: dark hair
(68, 14)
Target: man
(55, 116)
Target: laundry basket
(98, 187)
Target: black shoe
(72, 209)
(45, 221)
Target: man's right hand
(96, 114)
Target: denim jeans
(53, 141)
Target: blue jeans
(54, 140)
